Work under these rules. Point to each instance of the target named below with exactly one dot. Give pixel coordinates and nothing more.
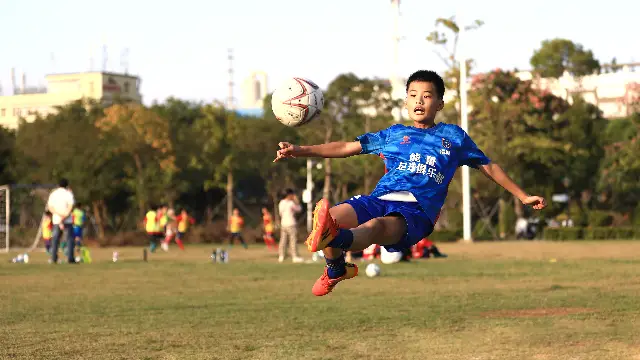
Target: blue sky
(179, 48)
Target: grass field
(514, 300)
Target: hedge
(593, 233)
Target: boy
(184, 221)
(236, 223)
(267, 224)
(405, 204)
(47, 230)
(152, 227)
(78, 217)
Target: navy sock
(343, 240)
(336, 267)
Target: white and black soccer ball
(372, 270)
(297, 101)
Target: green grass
(487, 301)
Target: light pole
(464, 123)
(307, 196)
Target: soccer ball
(297, 101)
(372, 270)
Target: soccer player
(78, 217)
(267, 224)
(152, 227)
(236, 223)
(401, 210)
(184, 221)
(47, 230)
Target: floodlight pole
(309, 195)
(464, 123)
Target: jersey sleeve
(374, 142)
(470, 155)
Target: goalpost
(22, 209)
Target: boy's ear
(441, 105)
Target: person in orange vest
(236, 223)
(183, 222)
(267, 224)
(152, 228)
(47, 230)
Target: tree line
(122, 158)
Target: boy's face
(236, 212)
(423, 101)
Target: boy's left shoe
(325, 284)
(324, 229)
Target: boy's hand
(537, 202)
(287, 150)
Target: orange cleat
(324, 229)
(325, 285)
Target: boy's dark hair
(78, 205)
(63, 183)
(428, 76)
(288, 192)
(48, 213)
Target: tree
(141, 138)
(559, 55)
(67, 144)
(621, 170)
(7, 146)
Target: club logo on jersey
(406, 140)
(446, 143)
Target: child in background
(236, 223)
(47, 230)
(267, 224)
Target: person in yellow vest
(184, 221)
(78, 218)
(267, 224)
(47, 230)
(152, 228)
(236, 223)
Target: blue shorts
(419, 225)
(77, 232)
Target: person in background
(267, 224)
(184, 221)
(236, 223)
(47, 230)
(78, 218)
(288, 208)
(60, 204)
(170, 229)
(152, 227)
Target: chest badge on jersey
(446, 144)
(405, 140)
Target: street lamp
(307, 195)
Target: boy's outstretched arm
(495, 173)
(338, 149)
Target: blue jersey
(421, 161)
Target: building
(65, 88)
(612, 92)
(254, 90)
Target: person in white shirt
(288, 208)
(60, 204)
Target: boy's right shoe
(324, 228)
(325, 285)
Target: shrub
(563, 234)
